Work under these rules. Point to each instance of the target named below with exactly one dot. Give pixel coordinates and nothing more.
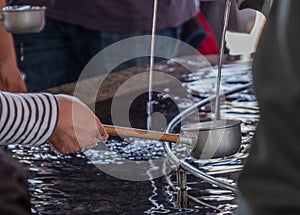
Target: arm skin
(10, 75)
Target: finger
(4, 85)
(65, 144)
(17, 86)
(102, 131)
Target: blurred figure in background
(77, 30)
(204, 31)
(270, 181)
(34, 119)
(239, 21)
(11, 78)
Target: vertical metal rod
(181, 188)
(226, 18)
(149, 105)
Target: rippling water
(72, 184)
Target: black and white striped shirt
(28, 119)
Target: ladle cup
(205, 140)
(22, 19)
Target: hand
(77, 126)
(11, 79)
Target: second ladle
(20, 19)
(205, 140)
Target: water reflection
(71, 184)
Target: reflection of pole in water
(225, 24)
(181, 188)
(149, 105)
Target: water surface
(71, 184)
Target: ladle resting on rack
(205, 140)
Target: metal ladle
(22, 19)
(205, 140)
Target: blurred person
(11, 78)
(239, 21)
(204, 31)
(63, 104)
(75, 31)
(270, 180)
(34, 119)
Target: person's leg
(46, 57)
(14, 196)
(96, 41)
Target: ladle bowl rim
(23, 8)
(211, 125)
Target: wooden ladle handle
(140, 133)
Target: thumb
(102, 131)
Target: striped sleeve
(28, 119)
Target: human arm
(10, 76)
(33, 119)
